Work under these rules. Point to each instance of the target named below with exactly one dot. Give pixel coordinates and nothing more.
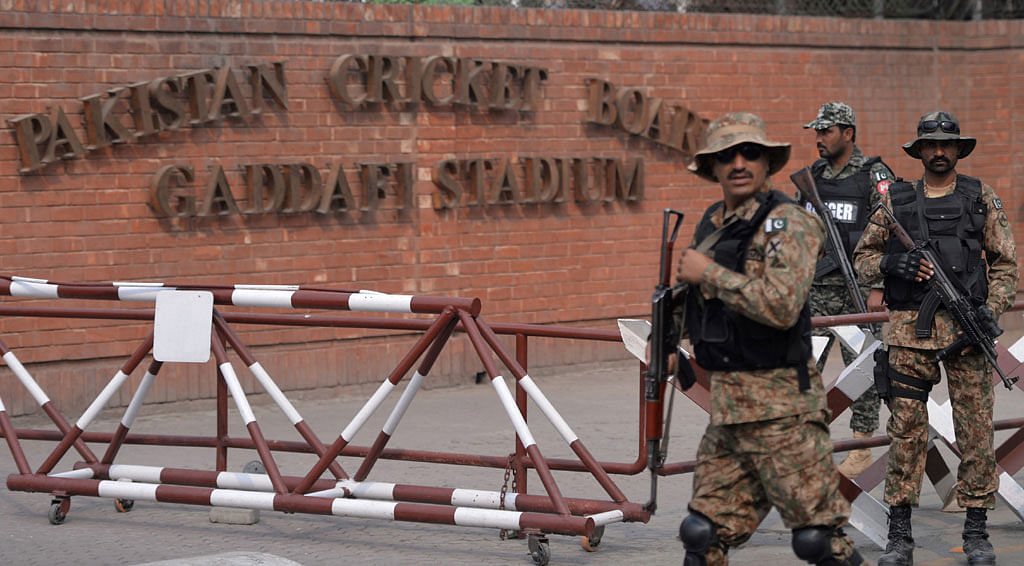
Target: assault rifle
(956, 302)
(664, 341)
(809, 190)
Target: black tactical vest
(954, 225)
(724, 340)
(850, 204)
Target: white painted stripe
(269, 287)
(79, 474)
(602, 519)
(489, 518)
(97, 405)
(2, 409)
(29, 279)
(518, 422)
(243, 499)
(855, 378)
(147, 474)
(483, 499)
(870, 517)
(369, 490)
(332, 493)
(236, 393)
(379, 302)
(364, 509)
(132, 291)
(364, 414)
(1011, 493)
(23, 376)
(262, 298)
(249, 482)
(275, 393)
(403, 403)
(24, 287)
(127, 490)
(137, 400)
(548, 409)
(851, 337)
(1017, 350)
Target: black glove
(988, 323)
(904, 265)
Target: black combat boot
(900, 549)
(977, 548)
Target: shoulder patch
(997, 203)
(882, 174)
(775, 225)
(883, 186)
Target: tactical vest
(724, 340)
(954, 225)
(850, 204)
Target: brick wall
(90, 218)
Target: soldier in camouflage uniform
(767, 444)
(962, 219)
(850, 183)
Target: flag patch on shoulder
(775, 225)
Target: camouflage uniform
(829, 293)
(768, 442)
(970, 388)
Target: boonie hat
(940, 125)
(734, 129)
(831, 114)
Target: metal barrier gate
(346, 494)
(350, 494)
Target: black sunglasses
(929, 126)
(749, 151)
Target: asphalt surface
(599, 403)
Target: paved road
(599, 402)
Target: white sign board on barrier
(181, 326)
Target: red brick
(90, 218)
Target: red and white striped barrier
(551, 513)
(269, 296)
(342, 507)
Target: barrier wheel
(540, 550)
(590, 543)
(57, 513)
(123, 504)
(254, 467)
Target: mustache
(937, 160)
(740, 174)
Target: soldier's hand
(911, 266)
(987, 321)
(691, 265)
(875, 300)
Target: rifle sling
(705, 245)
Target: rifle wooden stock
(805, 182)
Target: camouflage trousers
(827, 300)
(743, 470)
(970, 392)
